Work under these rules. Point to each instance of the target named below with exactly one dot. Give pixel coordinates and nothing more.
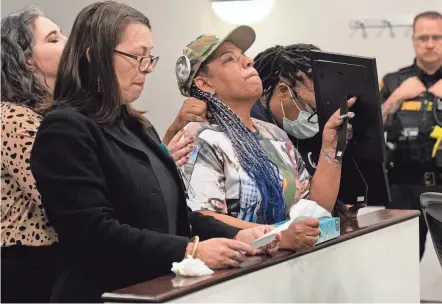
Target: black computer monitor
(337, 77)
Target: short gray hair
(427, 14)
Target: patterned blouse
(217, 181)
(23, 220)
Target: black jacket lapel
(152, 141)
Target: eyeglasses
(302, 101)
(426, 38)
(143, 61)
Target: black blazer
(105, 203)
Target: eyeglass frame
(305, 104)
(153, 60)
(435, 38)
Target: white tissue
(307, 208)
(298, 212)
(191, 267)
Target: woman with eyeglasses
(288, 101)
(111, 190)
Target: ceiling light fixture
(242, 11)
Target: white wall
(430, 269)
(321, 22)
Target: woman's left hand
(330, 133)
(251, 234)
(180, 148)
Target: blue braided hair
(252, 158)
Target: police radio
(437, 110)
(421, 131)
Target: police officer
(409, 96)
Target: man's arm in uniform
(402, 85)
(391, 101)
(387, 87)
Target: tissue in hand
(329, 226)
(191, 267)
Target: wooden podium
(376, 259)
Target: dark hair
(263, 171)
(19, 85)
(427, 14)
(283, 61)
(90, 85)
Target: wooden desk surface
(169, 287)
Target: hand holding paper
(269, 245)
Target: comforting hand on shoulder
(193, 110)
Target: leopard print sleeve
(23, 219)
(18, 138)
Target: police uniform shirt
(392, 81)
(409, 128)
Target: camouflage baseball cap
(196, 52)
